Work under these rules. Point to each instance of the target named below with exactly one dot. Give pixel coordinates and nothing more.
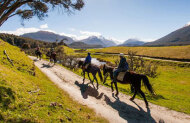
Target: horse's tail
(100, 75)
(147, 84)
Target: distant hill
(178, 37)
(132, 42)
(94, 40)
(20, 41)
(82, 45)
(47, 36)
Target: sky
(119, 20)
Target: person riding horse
(123, 66)
(38, 52)
(37, 49)
(52, 55)
(87, 62)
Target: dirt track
(120, 110)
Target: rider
(37, 49)
(87, 61)
(123, 66)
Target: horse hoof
(116, 95)
(131, 99)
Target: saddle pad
(121, 76)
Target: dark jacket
(88, 59)
(123, 64)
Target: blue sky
(115, 19)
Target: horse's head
(80, 63)
(107, 69)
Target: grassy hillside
(177, 52)
(27, 95)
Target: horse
(131, 78)
(52, 56)
(91, 69)
(38, 54)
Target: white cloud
(21, 31)
(79, 35)
(148, 39)
(117, 41)
(45, 26)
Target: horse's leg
(143, 95)
(134, 95)
(105, 77)
(117, 92)
(83, 76)
(112, 86)
(96, 81)
(40, 56)
(89, 77)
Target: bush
(139, 65)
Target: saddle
(121, 75)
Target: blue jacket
(123, 64)
(88, 59)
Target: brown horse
(131, 78)
(91, 69)
(38, 54)
(52, 56)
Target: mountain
(178, 37)
(47, 36)
(82, 45)
(98, 41)
(132, 43)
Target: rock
(161, 121)
(48, 113)
(60, 105)
(61, 120)
(68, 110)
(69, 119)
(53, 104)
(88, 117)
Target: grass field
(176, 52)
(172, 85)
(27, 95)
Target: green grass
(27, 98)
(172, 85)
(68, 50)
(178, 52)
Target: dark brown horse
(91, 69)
(38, 54)
(52, 56)
(131, 78)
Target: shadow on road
(88, 91)
(130, 113)
(46, 65)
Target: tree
(27, 9)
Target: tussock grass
(68, 50)
(177, 52)
(172, 85)
(28, 97)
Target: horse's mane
(82, 62)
